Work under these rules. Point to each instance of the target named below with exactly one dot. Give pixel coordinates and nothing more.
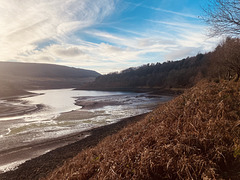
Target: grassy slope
(196, 135)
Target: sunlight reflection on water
(45, 123)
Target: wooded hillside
(182, 73)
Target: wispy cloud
(163, 10)
(75, 33)
(172, 12)
(119, 50)
(179, 24)
(25, 24)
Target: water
(48, 123)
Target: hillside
(43, 70)
(172, 74)
(221, 63)
(17, 77)
(194, 136)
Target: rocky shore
(40, 166)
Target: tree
(227, 57)
(232, 56)
(223, 16)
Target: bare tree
(226, 59)
(223, 16)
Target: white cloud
(177, 24)
(172, 12)
(67, 52)
(27, 26)
(23, 24)
(182, 52)
(120, 50)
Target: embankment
(194, 136)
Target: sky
(102, 35)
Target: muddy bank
(96, 104)
(156, 91)
(8, 110)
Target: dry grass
(195, 136)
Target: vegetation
(195, 136)
(177, 74)
(226, 60)
(223, 17)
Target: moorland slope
(194, 136)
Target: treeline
(182, 73)
(223, 62)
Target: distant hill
(169, 75)
(16, 77)
(44, 70)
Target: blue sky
(102, 35)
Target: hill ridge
(17, 77)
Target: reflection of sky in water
(59, 101)
(42, 124)
(56, 101)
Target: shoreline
(153, 91)
(20, 110)
(9, 109)
(71, 145)
(23, 154)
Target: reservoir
(63, 112)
